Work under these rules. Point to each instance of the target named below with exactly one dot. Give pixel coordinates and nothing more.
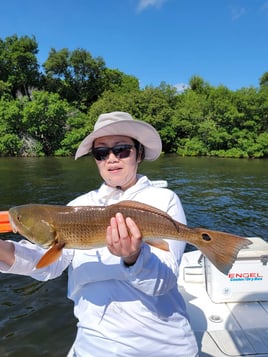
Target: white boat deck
(225, 328)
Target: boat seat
(223, 343)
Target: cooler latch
(264, 259)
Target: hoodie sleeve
(154, 273)
(26, 257)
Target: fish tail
(221, 248)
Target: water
(36, 318)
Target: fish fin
(141, 206)
(158, 243)
(5, 225)
(221, 248)
(50, 256)
(154, 242)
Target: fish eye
(19, 217)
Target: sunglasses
(120, 151)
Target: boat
(160, 183)
(228, 313)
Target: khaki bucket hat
(122, 123)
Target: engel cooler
(246, 281)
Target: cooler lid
(258, 249)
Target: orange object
(5, 225)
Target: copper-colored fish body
(84, 227)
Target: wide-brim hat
(121, 123)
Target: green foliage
(38, 124)
(5, 90)
(18, 64)
(75, 75)
(75, 132)
(192, 147)
(11, 117)
(44, 119)
(10, 145)
(118, 82)
(262, 141)
(198, 85)
(49, 112)
(234, 152)
(264, 79)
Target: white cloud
(237, 12)
(265, 6)
(143, 4)
(181, 87)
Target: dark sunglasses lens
(100, 153)
(120, 151)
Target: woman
(125, 295)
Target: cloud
(143, 4)
(265, 6)
(181, 87)
(237, 12)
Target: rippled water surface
(36, 318)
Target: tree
(5, 90)
(117, 81)
(155, 105)
(76, 130)
(198, 84)
(76, 88)
(44, 119)
(253, 106)
(10, 127)
(264, 79)
(220, 107)
(11, 116)
(189, 113)
(19, 67)
(75, 75)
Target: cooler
(246, 281)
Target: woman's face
(116, 171)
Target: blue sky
(222, 41)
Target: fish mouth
(13, 225)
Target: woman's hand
(7, 252)
(124, 238)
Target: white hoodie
(122, 311)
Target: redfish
(84, 227)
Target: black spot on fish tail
(206, 237)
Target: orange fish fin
(50, 256)
(5, 225)
(158, 243)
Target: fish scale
(89, 223)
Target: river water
(36, 318)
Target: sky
(225, 42)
